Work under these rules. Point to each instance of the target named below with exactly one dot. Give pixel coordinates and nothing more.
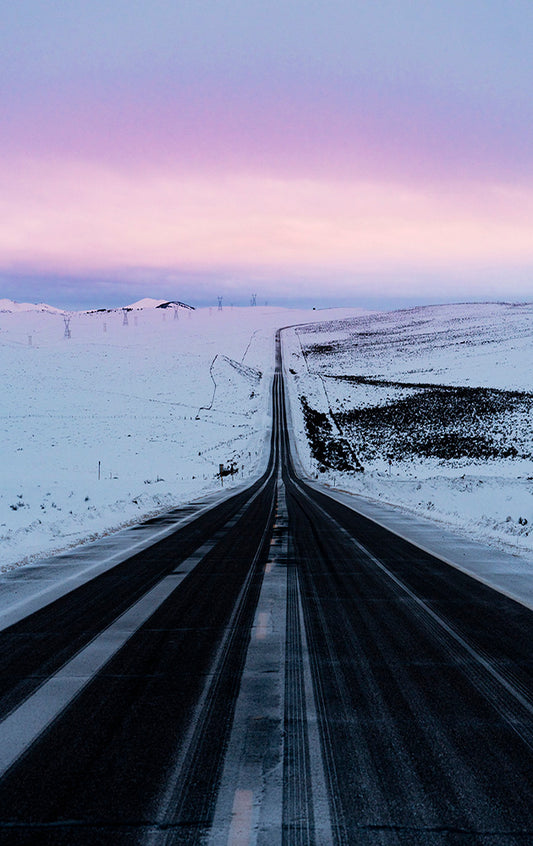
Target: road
(281, 670)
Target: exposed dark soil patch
(318, 349)
(328, 449)
(442, 422)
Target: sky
(357, 152)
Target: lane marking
(24, 725)
(526, 704)
(471, 651)
(240, 833)
(29, 605)
(262, 624)
(168, 804)
(252, 775)
(489, 581)
(322, 818)
(170, 795)
(18, 610)
(20, 728)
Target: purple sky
(354, 152)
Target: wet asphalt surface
(421, 689)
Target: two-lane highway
(280, 670)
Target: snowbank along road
(280, 670)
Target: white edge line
(320, 488)
(29, 605)
(24, 725)
(434, 616)
(20, 728)
(479, 578)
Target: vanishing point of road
(278, 670)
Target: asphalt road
(282, 670)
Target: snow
(160, 402)
(147, 302)
(157, 404)
(10, 306)
(462, 347)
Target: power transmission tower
(176, 308)
(254, 300)
(220, 303)
(125, 317)
(66, 321)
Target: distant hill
(12, 307)
(149, 302)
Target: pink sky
(83, 217)
(323, 144)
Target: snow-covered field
(436, 403)
(119, 421)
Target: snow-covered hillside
(149, 302)
(153, 405)
(12, 307)
(435, 403)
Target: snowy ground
(158, 404)
(161, 402)
(445, 394)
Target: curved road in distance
(279, 671)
